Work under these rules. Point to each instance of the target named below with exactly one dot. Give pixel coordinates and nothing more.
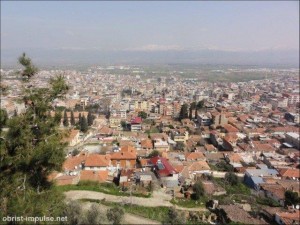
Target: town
(221, 145)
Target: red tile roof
(136, 120)
(289, 172)
(97, 160)
(163, 166)
(99, 176)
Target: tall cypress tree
(184, 112)
(65, 120)
(72, 118)
(83, 124)
(90, 118)
(79, 118)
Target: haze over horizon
(151, 32)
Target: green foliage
(158, 213)
(154, 153)
(291, 198)
(184, 112)
(3, 118)
(75, 214)
(267, 201)
(174, 217)
(90, 118)
(94, 216)
(30, 151)
(224, 166)
(83, 124)
(65, 120)
(190, 203)
(29, 70)
(142, 114)
(198, 190)
(231, 178)
(57, 117)
(72, 118)
(115, 215)
(200, 104)
(93, 108)
(78, 107)
(180, 146)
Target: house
(72, 138)
(136, 124)
(287, 218)
(145, 178)
(115, 122)
(214, 158)
(289, 173)
(180, 136)
(67, 179)
(105, 131)
(194, 169)
(97, 162)
(210, 148)
(126, 158)
(161, 145)
(254, 177)
(92, 175)
(74, 163)
(164, 171)
(194, 156)
(212, 188)
(147, 144)
(228, 128)
(230, 141)
(273, 191)
(235, 214)
(125, 177)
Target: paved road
(157, 199)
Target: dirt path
(158, 199)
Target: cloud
(154, 47)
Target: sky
(150, 26)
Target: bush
(198, 190)
(115, 215)
(231, 178)
(174, 217)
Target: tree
(200, 104)
(115, 215)
(72, 118)
(65, 120)
(184, 112)
(30, 151)
(57, 117)
(154, 153)
(180, 146)
(231, 178)
(174, 217)
(90, 118)
(29, 70)
(198, 190)
(190, 113)
(142, 114)
(79, 118)
(83, 124)
(3, 118)
(291, 198)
